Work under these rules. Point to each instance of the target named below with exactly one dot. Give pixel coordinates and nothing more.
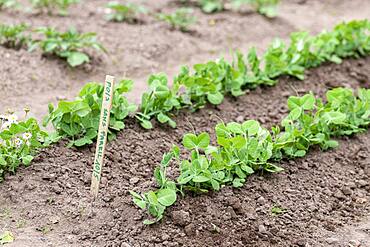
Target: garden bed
(321, 193)
(322, 199)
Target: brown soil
(324, 194)
(135, 51)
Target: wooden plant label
(102, 134)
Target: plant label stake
(102, 134)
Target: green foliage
(209, 82)
(211, 6)
(69, 45)
(50, 6)
(7, 4)
(124, 12)
(157, 201)
(264, 7)
(312, 122)
(243, 149)
(158, 102)
(276, 210)
(13, 36)
(19, 141)
(78, 120)
(181, 19)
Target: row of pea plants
(243, 149)
(129, 12)
(78, 120)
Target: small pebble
(262, 229)
(332, 240)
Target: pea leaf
(166, 197)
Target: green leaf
(146, 124)
(166, 197)
(295, 113)
(331, 144)
(273, 168)
(308, 102)
(203, 140)
(82, 142)
(247, 169)
(162, 118)
(237, 182)
(251, 126)
(334, 117)
(215, 98)
(77, 58)
(149, 222)
(235, 128)
(200, 179)
(300, 153)
(27, 159)
(190, 141)
(2, 161)
(117, 125)
(215, 185)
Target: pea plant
(157, 201)
(19, 142)
(51, 6)
(211, 6)
(158, 102)
(267, 8)
(124, 12)
(70, 45)
(207, 83)
(13, 36)
(243, 149)
(78, 120)
(181, 19)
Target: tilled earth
(325, 195)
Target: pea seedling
(13, 36)
(181, 19)
(49, 6)
(124, 12)
(69, 45)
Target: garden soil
(325, 196)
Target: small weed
(276, 210)
(44, 229)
